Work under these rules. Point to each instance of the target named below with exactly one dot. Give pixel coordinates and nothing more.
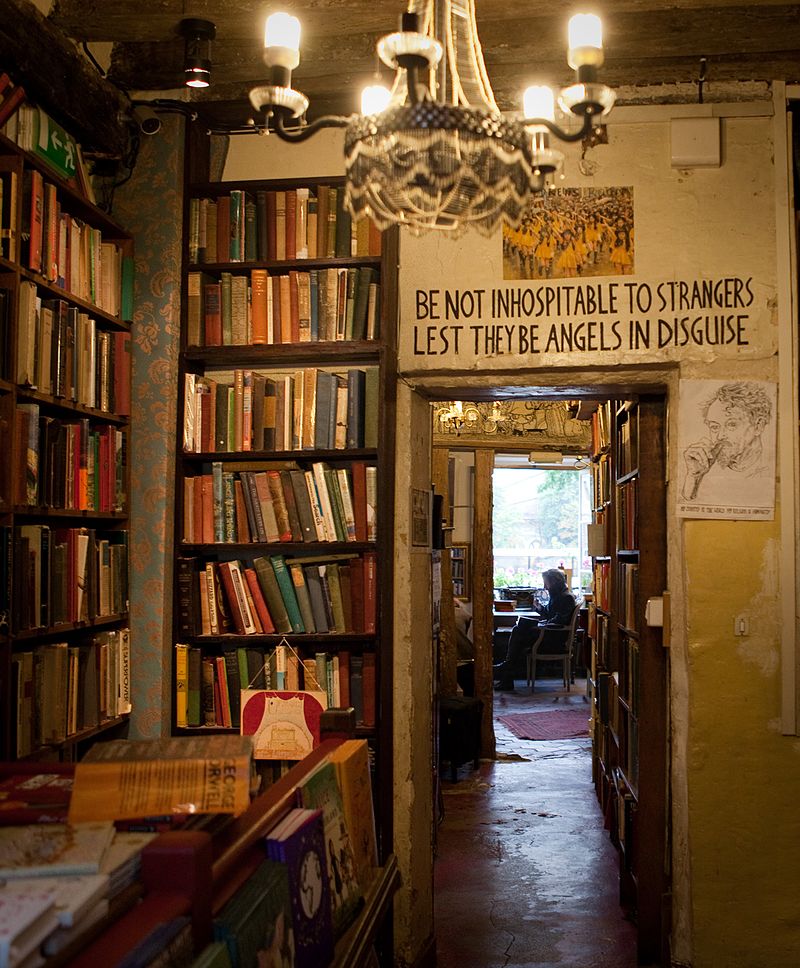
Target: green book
(269, 586)
(286, 588)
(303, 598)
(226, 308)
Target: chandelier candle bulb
(282, 41)
(585, 32)
(538, 101)
(375, 98)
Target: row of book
(308, 409)
(271, 225)
(208, 687)
(62, 352)
(325, 844)
(627, 515)
(60, 688)
(68, 464)
(295, 307)
(287, 504)
(275, 594)
(628, 589)
(62, 575)
(64, 249)
(601, 427)
(601, 584)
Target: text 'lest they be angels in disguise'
(614, 316)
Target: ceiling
(647, 43)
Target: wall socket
(741, 625)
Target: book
(73, 895)
(351, 760)
(321, 791)
(256, 924)
(43, 850)
(299, 843)
(27, 917)
(134, 778)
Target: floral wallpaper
(150, 206)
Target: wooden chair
(541, 652)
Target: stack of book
(69, 464)
(274, 594)
(63, 575)
(268, 225)
(331, 304)
(208, 687)
(269, 503)
(62, 353)
(58, 690)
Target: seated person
(463, 615)
(557, 612)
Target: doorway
(634, 818)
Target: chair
(563, 654)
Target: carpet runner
(558, 724)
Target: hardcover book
(39, 850)
(299, 844)
(321, 791)
(351, 760)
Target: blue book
(286, 588)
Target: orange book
(368, 680)
(285, 310)
(259, 601)
(221, 685)
(258, 304)
(370, 591)
(279, 505)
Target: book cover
(269, 586)
(53, 849)
(320, 791)
(300, 845)
(351, 760)
(73, 895)
(287, 592)
(255, 925)
(134, 778)
(27, 917)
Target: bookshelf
(66, 291)
(628, 661)
(283, 478)
(459, 567)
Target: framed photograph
(420, 518)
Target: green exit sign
(56, 147)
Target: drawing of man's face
(733, 429)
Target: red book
(272, 242)
(242, 522)
(122, 373)
(11, 103)
(344, 679)
(291, 224)
(221, 682)
(224, 228)
(294, 306)
(224, 571)
(212, 314)
(358, 472)
(370, 591)
(368, 675)
(374, 239)
(34, 218)
(258, 600)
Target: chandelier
(435, 152)
(476, 418)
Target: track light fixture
(197, 35)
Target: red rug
(557, 724)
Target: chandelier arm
(560, 133)
(295, 135)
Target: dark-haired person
(557, 612)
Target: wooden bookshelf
(628, 678)
(66, 303)
(296, 329)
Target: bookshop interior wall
(691, 295)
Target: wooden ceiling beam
(60, 79)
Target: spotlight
(197, 35)
(147, 119)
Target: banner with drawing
(726, 444)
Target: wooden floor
(525, 874)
